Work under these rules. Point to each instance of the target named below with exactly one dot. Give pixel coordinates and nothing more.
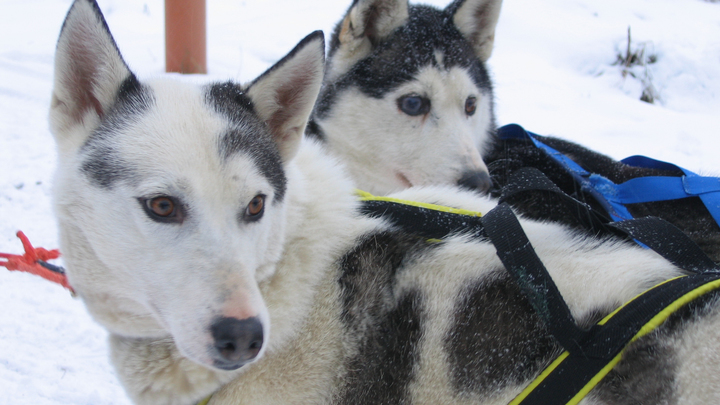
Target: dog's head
(407, 98)
(170, 196)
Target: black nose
(236, 341)
(476, 181)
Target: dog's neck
(320, 220)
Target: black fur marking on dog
(385, 323)
(313, 130)
(494, 341)
(247, 134)
(646, 374)
(399, 57)
(103, 165)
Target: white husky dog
(226, 256)
(407, 98)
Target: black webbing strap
(519, 258)
(513, 247)
(668, 241)
(651, 232)
(531, 180)
(611, 337)
(51, 267)
(589, 353)
(425, 222)
(575, 373)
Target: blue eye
(414, 105)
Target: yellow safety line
(205, 401)
(365, 196)
(651, 325)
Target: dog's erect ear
(476, 20)
(88, 72)
(366, 23)
(285, 94)
(372, 20)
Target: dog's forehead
(428, 39)
(452, 84)
(427, 31)
(167, 125)
(246, 134)
(170, 124)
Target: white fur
(477, 20)
(698, 349)
(366, 22)
(95, 64)
(149, 274)
(387, 150)
(305, 347)
(156, 286)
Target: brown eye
(163, 209)
(256, 208)
(470, 105)
(162, 206)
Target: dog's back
(509, 155)
(401, 319)
(227, 256)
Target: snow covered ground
(554, 74)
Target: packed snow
(555, 72)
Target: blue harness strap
(614, 197)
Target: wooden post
(185, 39)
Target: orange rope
(32, 262)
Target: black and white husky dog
(226, 255)
(407, 99)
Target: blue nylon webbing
(613, 197)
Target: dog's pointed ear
(476, 20)
(88, 72)
(366, 23)
(285, 94)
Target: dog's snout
(476, 181)
(236, 341)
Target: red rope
(30, 262)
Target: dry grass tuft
(634, 62)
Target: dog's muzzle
(475, 181)
(236, 342)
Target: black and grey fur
(507, 156)
(232, 259)
(407, 98)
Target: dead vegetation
(634, 62)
